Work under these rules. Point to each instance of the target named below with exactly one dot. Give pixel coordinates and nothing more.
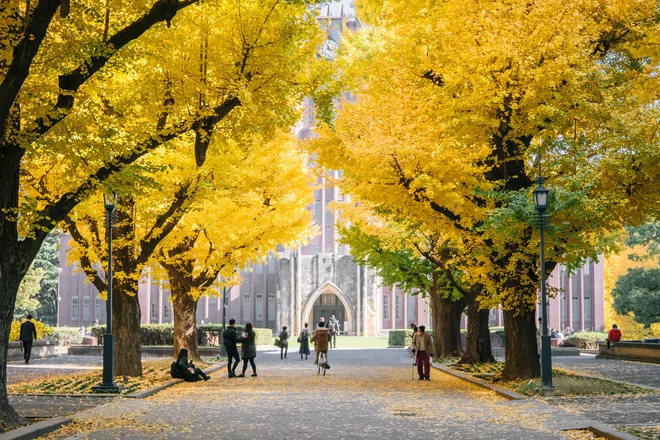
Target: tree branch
(85, 262)
(22, 57)
(162, 10)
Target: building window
(213, 300)
(586, 268)
(317, 250)
(386, 307)
(86, 306)
(397, 307)
(260, 268)
(271, 307)
(272, 265)
(317, 213)
(260, 307)
(74, 307)
(166, 311)
(97, 308)
(246, 307)
(154, 311)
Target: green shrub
(163, 334)
(585, 340)
(264, 336)
(65, 336)
(402, 338)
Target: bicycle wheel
(320, 363)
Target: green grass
(647, 432)
(344, 342)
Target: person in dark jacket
(187, 370)
(305, 334)
(27, 335)
(249, 351)
(284, 343)
(230, 337)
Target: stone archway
(328, 288)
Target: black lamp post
(541, 203)
(225, 293)
(108, 385)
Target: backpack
(174, 370)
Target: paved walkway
(367, 394)
(18, 371)
(639, 373)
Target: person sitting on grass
(613, 336)
(187, 370)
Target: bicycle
(323, 363)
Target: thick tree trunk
(185, 327)
(126, 317)
(12, 269)
(477, 341)
(521, 352)
(9, 282)
(446, 318)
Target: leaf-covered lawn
(154, 373)
(566, 383)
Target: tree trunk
(12, 269)
(477, 341)
(185, 327)
(126, 317)
(521, 352)
(446, 318)
(9, 282)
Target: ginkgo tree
(90, 90)
(453, 101)
(256, 199)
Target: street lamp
(541, 204)
(59, 298)
(108, 385)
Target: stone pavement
(18, 371)
(367, 394)
(638, 373)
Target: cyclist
(320, 338)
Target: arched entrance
(327, 305)
(328, 300)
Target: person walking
(304, 342)
(333, 326)
(27, 336)
(424, 351)
(187, 370)
(230, 338)
(322, 338)
(614, 335)
(284, 343)
(249, 351)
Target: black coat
(249, 347)
(230, 337)
(28, 331)
(183, 369)
(284, 338)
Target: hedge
(402, 338)
(43, 330)
(163, 334)
(584, 340)
(66, 336)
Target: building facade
(320, 279)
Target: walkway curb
(37, 429)
(154, 390)
(503, 392)
(599, 429)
